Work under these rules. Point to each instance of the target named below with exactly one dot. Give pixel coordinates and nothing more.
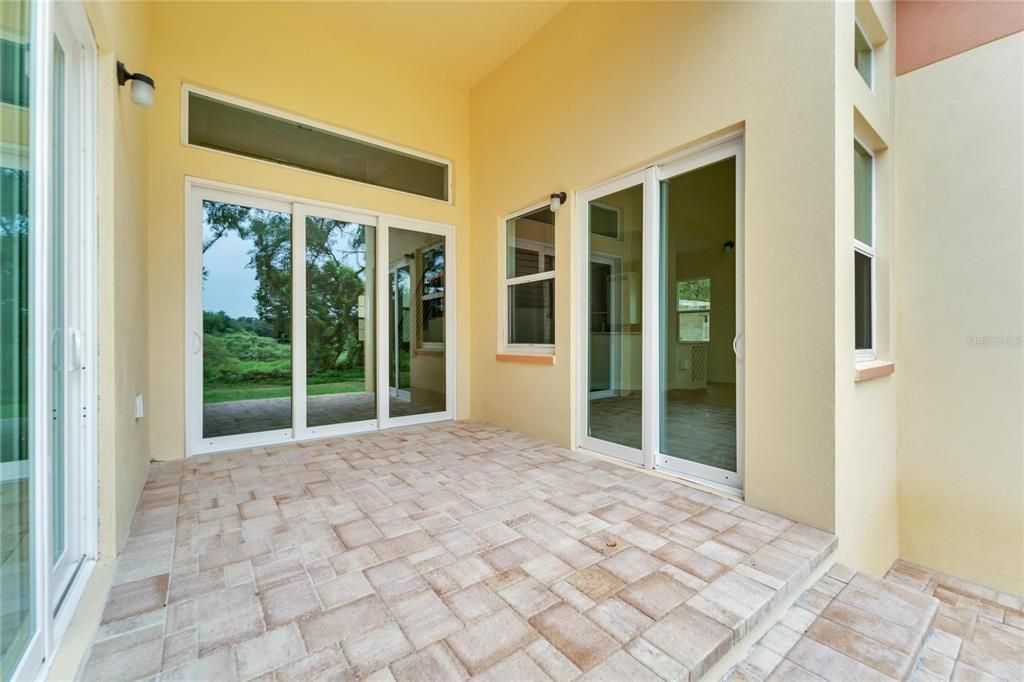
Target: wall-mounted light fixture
(142, 86)
(728, 246)
(557, 200)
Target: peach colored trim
(527, 359)
(928, 31)
(866, 371)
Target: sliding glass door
(47, 326)
(663, 323)
(287, 339)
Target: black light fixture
(142, 86)
(557, 200)
(728, 246)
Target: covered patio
(442, 551)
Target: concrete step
(847, 626)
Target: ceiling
(459, 42)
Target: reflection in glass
(616, 324)
(247, 351)
(416, 329)
(698, 366)
(17, 617)
(340, 375)
(531, 312)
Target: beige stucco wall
(960, 183)
(626, 83)
(866, 472)
(259, 52)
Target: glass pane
(531, 312)
(247, 348)
(616, 305)
(698, 366)
(58, 342)
(862, 54)
(231, 128)
(17, 619)
(863, 190)
(530, 243)
(862, 300)
(340, 368)
(416, 315)
(604, 221)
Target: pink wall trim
(928, 31)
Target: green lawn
(226, 393)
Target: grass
(231, 392)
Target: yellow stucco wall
(261, 53)
(603, 88)
(866, 472)
(961, 314)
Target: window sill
(526, 359)
(873, 369)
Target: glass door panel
(417, 371)
(698, 400)
(246, 304)
(17, 458)
(340, 353)
(615, 334)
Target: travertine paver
(436, 552)
(850, 626)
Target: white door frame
(650, 455)
(58, 592)
(393, 352)
(614, 301)
(196, 190)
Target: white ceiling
(459, 42)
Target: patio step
(847, 626)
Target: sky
(230, 284)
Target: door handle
(735, 345)
(197, 343)
(75, 349)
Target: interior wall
(867, 509)
(961, 303)
(260, 52)
(636, 81)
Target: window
(863, 56)
(529, 292)
(864, 251)
(225, 126)
(432, 298)
(693, 309)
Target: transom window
(529, 291)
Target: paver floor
(915, 624)
(437, 552)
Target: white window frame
(197, 189)
(188, 88)
(504, 347)
(870, 251)
(858, 26)
(650, 456)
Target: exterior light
(557, 200)
(142, 86)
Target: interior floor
(269, 414)
(699, 426)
